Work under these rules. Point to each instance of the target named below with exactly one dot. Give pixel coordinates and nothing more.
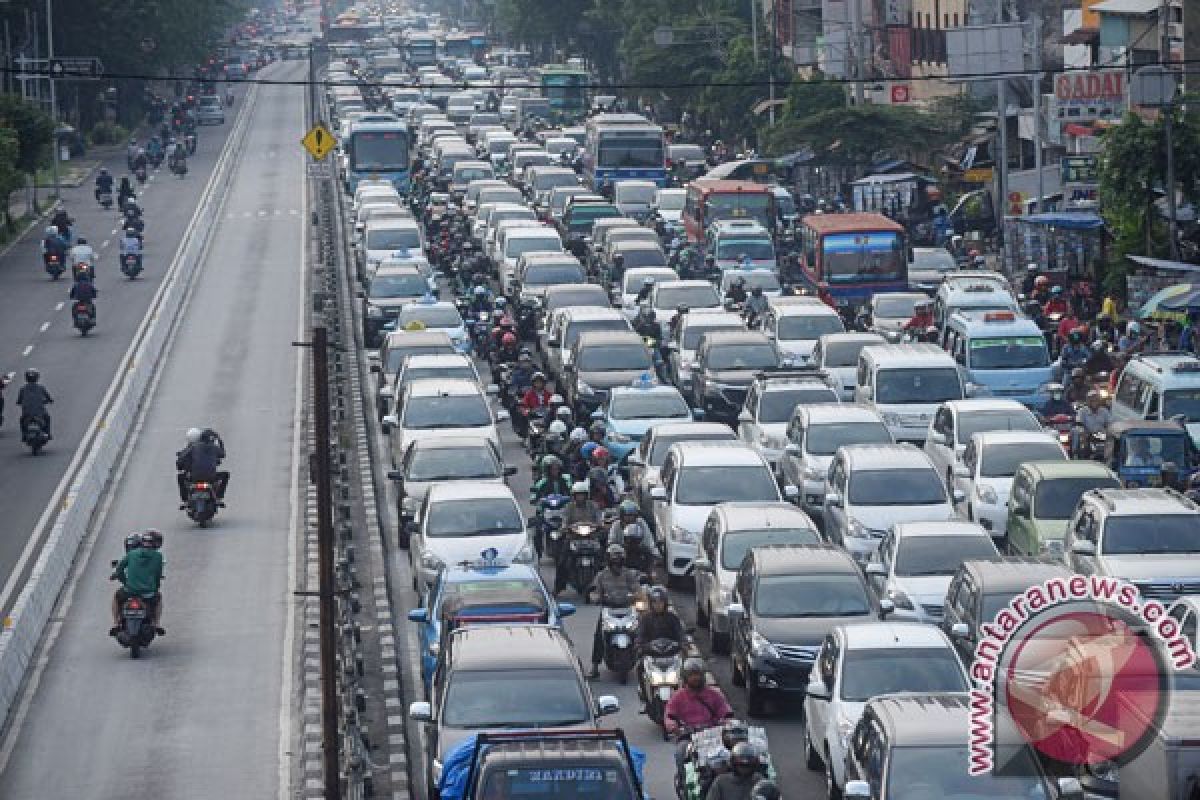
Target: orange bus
(849, 257)
(711, 200)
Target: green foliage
(11, 178)
(108, 133)
(806, 97)
(858, 135)
(33, 129)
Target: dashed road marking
(28, 349)
(113, 232)
(104, 243)
(45, 326)
(59, 307)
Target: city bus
(378, 150)
(420, 49)
(622, 147)
(710, 200)
(849, 257)
(567, 89)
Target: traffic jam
(701, 489)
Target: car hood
(447, 433)
(416, 490)
(801, 631)
(607, 380)
(637, 428)
(797, 348)
(1160, 568)
(880, 518)
(690, 518)
(774, 430)
(670, 216)
(1051, 529)
(392, 303)
(888, 324)
(456, 549)
(733, 377)
(928, 590)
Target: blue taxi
(1003, 352)
(479, 593)
(630, 411)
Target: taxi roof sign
(1000, 316)
(319, 142)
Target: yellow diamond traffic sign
(318, 141)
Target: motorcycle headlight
(760, 647)
(901, 599)
(682, 535)
(430, 562)
(618, 438)
(988, 495)
(845, 727)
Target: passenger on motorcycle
(756, 306)
(746, 770)
(614, 585)
(33, 399)
(1092, 418)
(62, 220)
(104, 183)
(922, 317)
(602, 493)
(53, 244)
(140, 572)
(85, 291)
(537, 396)
(199, 461)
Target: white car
(990, 463)
(814, 434)
(889, 312)
(681, 350)
(695, 477)
(645, 463)
(436, 316)
(458, 520)
(836, 354)
(516, 243)
(864, 660)
(770, 404)
(456, 366)
(796, 328)
(438, 407)
(634, 281)
(388, 238)
(667, 298)
(956, 421)
(872, 487)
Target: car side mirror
(857, 789)
(420, 712)
(395, 475)
(876, 570)
(745, 416)
(791, 492)
(833, 500)
(958, 495)
(1069, 789)
(886, 608)
(566, 609)
(659, 494)
(792, 449)
(1082, 547)
(817, 690)
(702, 564)
(959, 630)
(389, 422)
(735, 611)
(937, 437)
(418, 615)
(509, 471)
(607, 705)
(376, 369)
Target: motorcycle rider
(125, 192)
(62, 220)
(644, 293)
(922, 317)
(81, 253)
(131, 244)
(131, 153)
(198, 461)
(537, 396)
(522, 375)
(736, 293)
(756, 306)
(1057, 304)
(140, 572)
(1057, 405)
(1100, 360)
(580, 511)
(613, 585)
(85, 291)
(646, 325)
(553, 481)
(33, 399)
(104, 183)
(140, 160)
(178, 157)
(739, 783)
(1075, 354)
(506, 352)
(659, 621)
(1092, 418)
(694, 706)
(154, 149)
(53, 244)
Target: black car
(575, 226)
(727, 362)
(786, 600)
(601, 360)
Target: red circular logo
(1083, 687)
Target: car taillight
(135, 603)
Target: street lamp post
(53, 96)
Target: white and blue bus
(378, 150)
(623, 147)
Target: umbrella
(1172, 302)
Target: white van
(1161, 386)
(972, 291)
(906, 383)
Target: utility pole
(53, 97)
(327, 586)
(1001, 155)
(771, 63)
(856, 36)
(1037, 110)
(754, 28)
(1168, 112)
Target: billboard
(1081, 96)
(984, 50)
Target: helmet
(152, 538)
(765, 790)
(1054, 389)
(32, 375)
(414, 325)
(615, 551)
(133, 541)
(501, 303)
(1134, 328)
(744, 754)
(557, 428)
(647, 281)
(1041, 281)
(756, 291)
(628, 507)
(600, 453)
(578, 435)
(1099, 345)
(194, 435)
(52, 231)
(579, 487)
(597, 427)
(508, 340)
(1056, 291)
(1032, 266)
(551, 460)
(732, 732)
(693, 666)
(587, 450)
(480, 291)
(633, 532)
(1077, 373)
(564, 412)
(657, 594)
(525, 355)
(537, 376)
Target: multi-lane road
(205, 713)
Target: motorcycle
(179, 167)
(131, 265)
(202, 502)
(140, 174)
(583, 545)
(105, 198)
(136, 630)
(84, 316)
(1090, 446)
(527, 319)
(662, 661)
(1061, 424)
(54, 265)
(189, 143)
(229, 99)
(618, 625)
(551, 511)
(33, 434)
(707, 755)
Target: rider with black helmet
(33, 399)
(614, 586)
(745, 773)
(140, 573)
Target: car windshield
(642, 195)
(777, 406)
(1002, 460)
(736, 250)
(446, 411)
(938, 260)
(1149, 450)
(576, 327)
(649, 405)
(940, 555)
(812, 595)
(504, 195)
(691, 296)
(923, 773)
(388, 286)
(1008, 352)
(543, 182)
(896, 487)
(452, 463)
(895, 306)
(735, 544)
(482, 516)
(1182, 401)
(591, 297)
(670, 201)
(567, 780)
(630, 151)
(394, 239)
(752, 279)
(432, 316)
(1057, 498)
(707, 486)
(463, 372)
(582, 217)
(515, 246)
(993, 604)
(920, 385)
(498, 147)
(843, 353)
(558, 200)
(552, 274)
(692, 333)
(975, 422)
(519, 698)
(742, 357)
(634, 281)
(611, 358)
(1161, 534)
(658, 454)
(870, 673)
(686, 152)
(824, 439)
(806, 328)
(864, 257)
(468, 174)
(643, 257)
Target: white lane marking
(262, 213)
(245, 214)
(278, 212)
(293, 212)
(113, 232)
(59, 307)
(28, 349)
(45, 326)
(104, 243)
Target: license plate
(585, 561)
(135, 614)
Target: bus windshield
(379, 150)
(863, 257)
(739, 205)
(630, 150)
